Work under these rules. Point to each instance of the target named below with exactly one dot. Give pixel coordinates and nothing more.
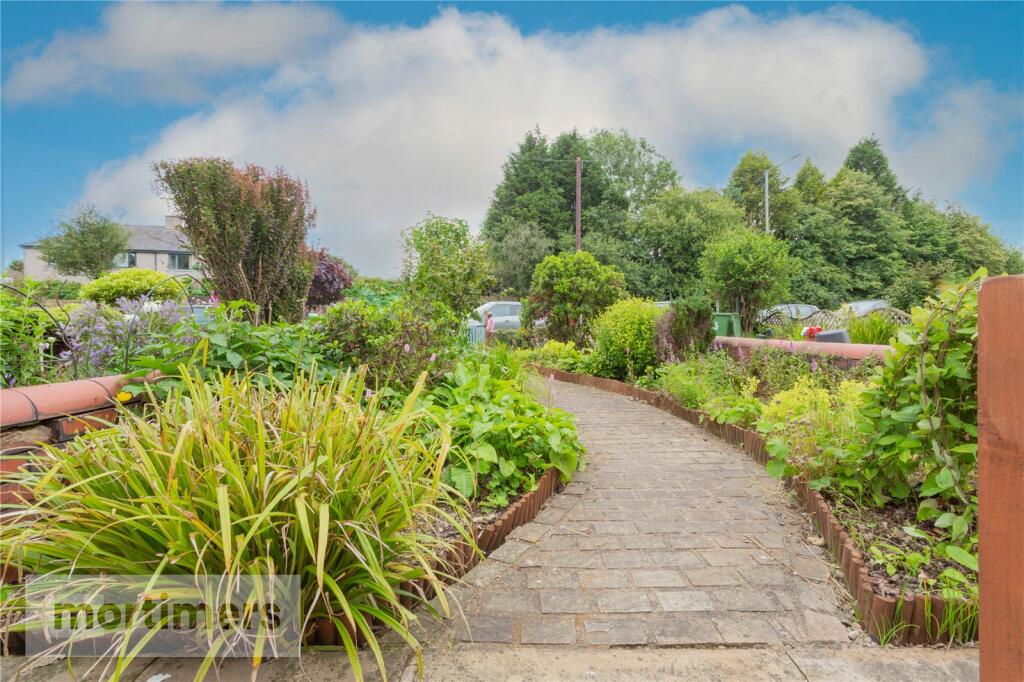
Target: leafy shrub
(54, 289)
(694, 380)
(685, 328)
(229, 344)
(749, 269)
(503, 439)
(397, 341)
(329, 281)
(625, 339)
(568, 292)
(445, 263)
(809, 428)
(26, 340)
(873, 328)
(374, 290)
(741, 408)
(922, 411)
(308, 480)
(133, 283)
(248, 226)
(559, 355)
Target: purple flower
(405, 348)
(433, 356)
(814, 364)
(368, 394)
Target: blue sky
(391, 110)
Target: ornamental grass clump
(247, 478)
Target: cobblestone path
(670, 537)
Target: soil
(884, 526)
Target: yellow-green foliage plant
(809, 427)
(625, 339)
(247, 478)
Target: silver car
(506, 313)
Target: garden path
(669, 537)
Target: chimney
(172, 222)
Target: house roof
(150, 238)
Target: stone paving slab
(669, 537)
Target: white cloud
(167, 50)
(390, 123)
(968, 133)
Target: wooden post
(1001, 477)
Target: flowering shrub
(133, 283)
(685, 328)
(625, 338)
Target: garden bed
(910, 618)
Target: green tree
(810, 184)
(516, 255)
(974, 246)
(749, 269)
(633, 166)
(820, 241)
(876, 241)
(248, 227)
(445, 263)
(85, 245)
(568, 292)
(746, 187)
(669, 237)
(539, 187)
(867, 157)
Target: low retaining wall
(914, 618)
(844, 355)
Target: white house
(156, 247)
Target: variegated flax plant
(250, 478)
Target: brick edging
(461, 557)
(917, 617)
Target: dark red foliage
(330, 279)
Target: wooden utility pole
(579, 202)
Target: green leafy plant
(873, 328)
(231, 343)
(809, 427)
(568, 292)
(133, 283)
(625, 339)
(445, 263)
(685, 328)
(742, 409)
(558, 355)
(248, 227)
(27, 334)
(503, 439)
(748, 269)
(252, 478)
(87, 244)
(397, 341)
(921, 411)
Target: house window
(179, 261)
(125, 260)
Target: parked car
(506, 314)
(865, 307)
(792, 311)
